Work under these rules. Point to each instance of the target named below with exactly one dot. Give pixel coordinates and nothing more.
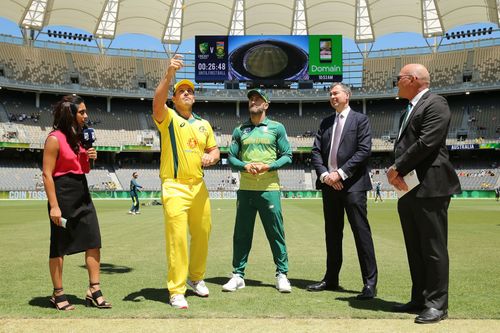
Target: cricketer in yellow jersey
(187, 146)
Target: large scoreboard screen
(268, 58)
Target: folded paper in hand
(411, 180)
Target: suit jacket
(422, 146)
(353, 153)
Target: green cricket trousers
(268, 204)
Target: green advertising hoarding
(325, 57)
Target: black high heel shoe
(91, 300)
(56, 299)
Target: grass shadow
(302, 284)
(150, 294)
(375, 304)
(248, 282)
(112, 269)
(43, 301)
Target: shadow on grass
(248, 282)
(302, 284)
(43, 301)
(376, 304)
(150, 294)
(112, 269)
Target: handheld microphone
(88, 138)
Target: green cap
(259, 92)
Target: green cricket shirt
(266, 142)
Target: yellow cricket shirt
(183, 143)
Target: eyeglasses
(399, 77)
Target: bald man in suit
(423, 211)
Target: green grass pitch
(134, 270)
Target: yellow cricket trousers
(185, 204)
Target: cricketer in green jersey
(259, 147)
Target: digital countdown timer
(211, 58)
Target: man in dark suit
(423, 211)
(340, 155)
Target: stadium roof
(173, 21)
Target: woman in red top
(65, 163)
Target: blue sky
(143, 42)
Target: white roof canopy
(173, 21)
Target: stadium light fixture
(469, 33)
(467, 92)
(69, 35)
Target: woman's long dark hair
(65, 118)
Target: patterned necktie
(336, 141)
(406, 116)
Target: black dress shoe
(368, 292)
(322, 285)
(410, 307)
(431, 315)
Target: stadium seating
(128, 122)
(34, 65)
(486, 64)
(378, 74)
(106, 71)
(20, 175)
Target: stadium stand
(154, 70)
(35, 65)
(118, 73)
(25, 117)
(20, 175)
(486, 64)
(378, 74)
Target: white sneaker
(282, 283)
(131, 212)
(178, 301)
(235, 283)
(137, 212)
(199, 287)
